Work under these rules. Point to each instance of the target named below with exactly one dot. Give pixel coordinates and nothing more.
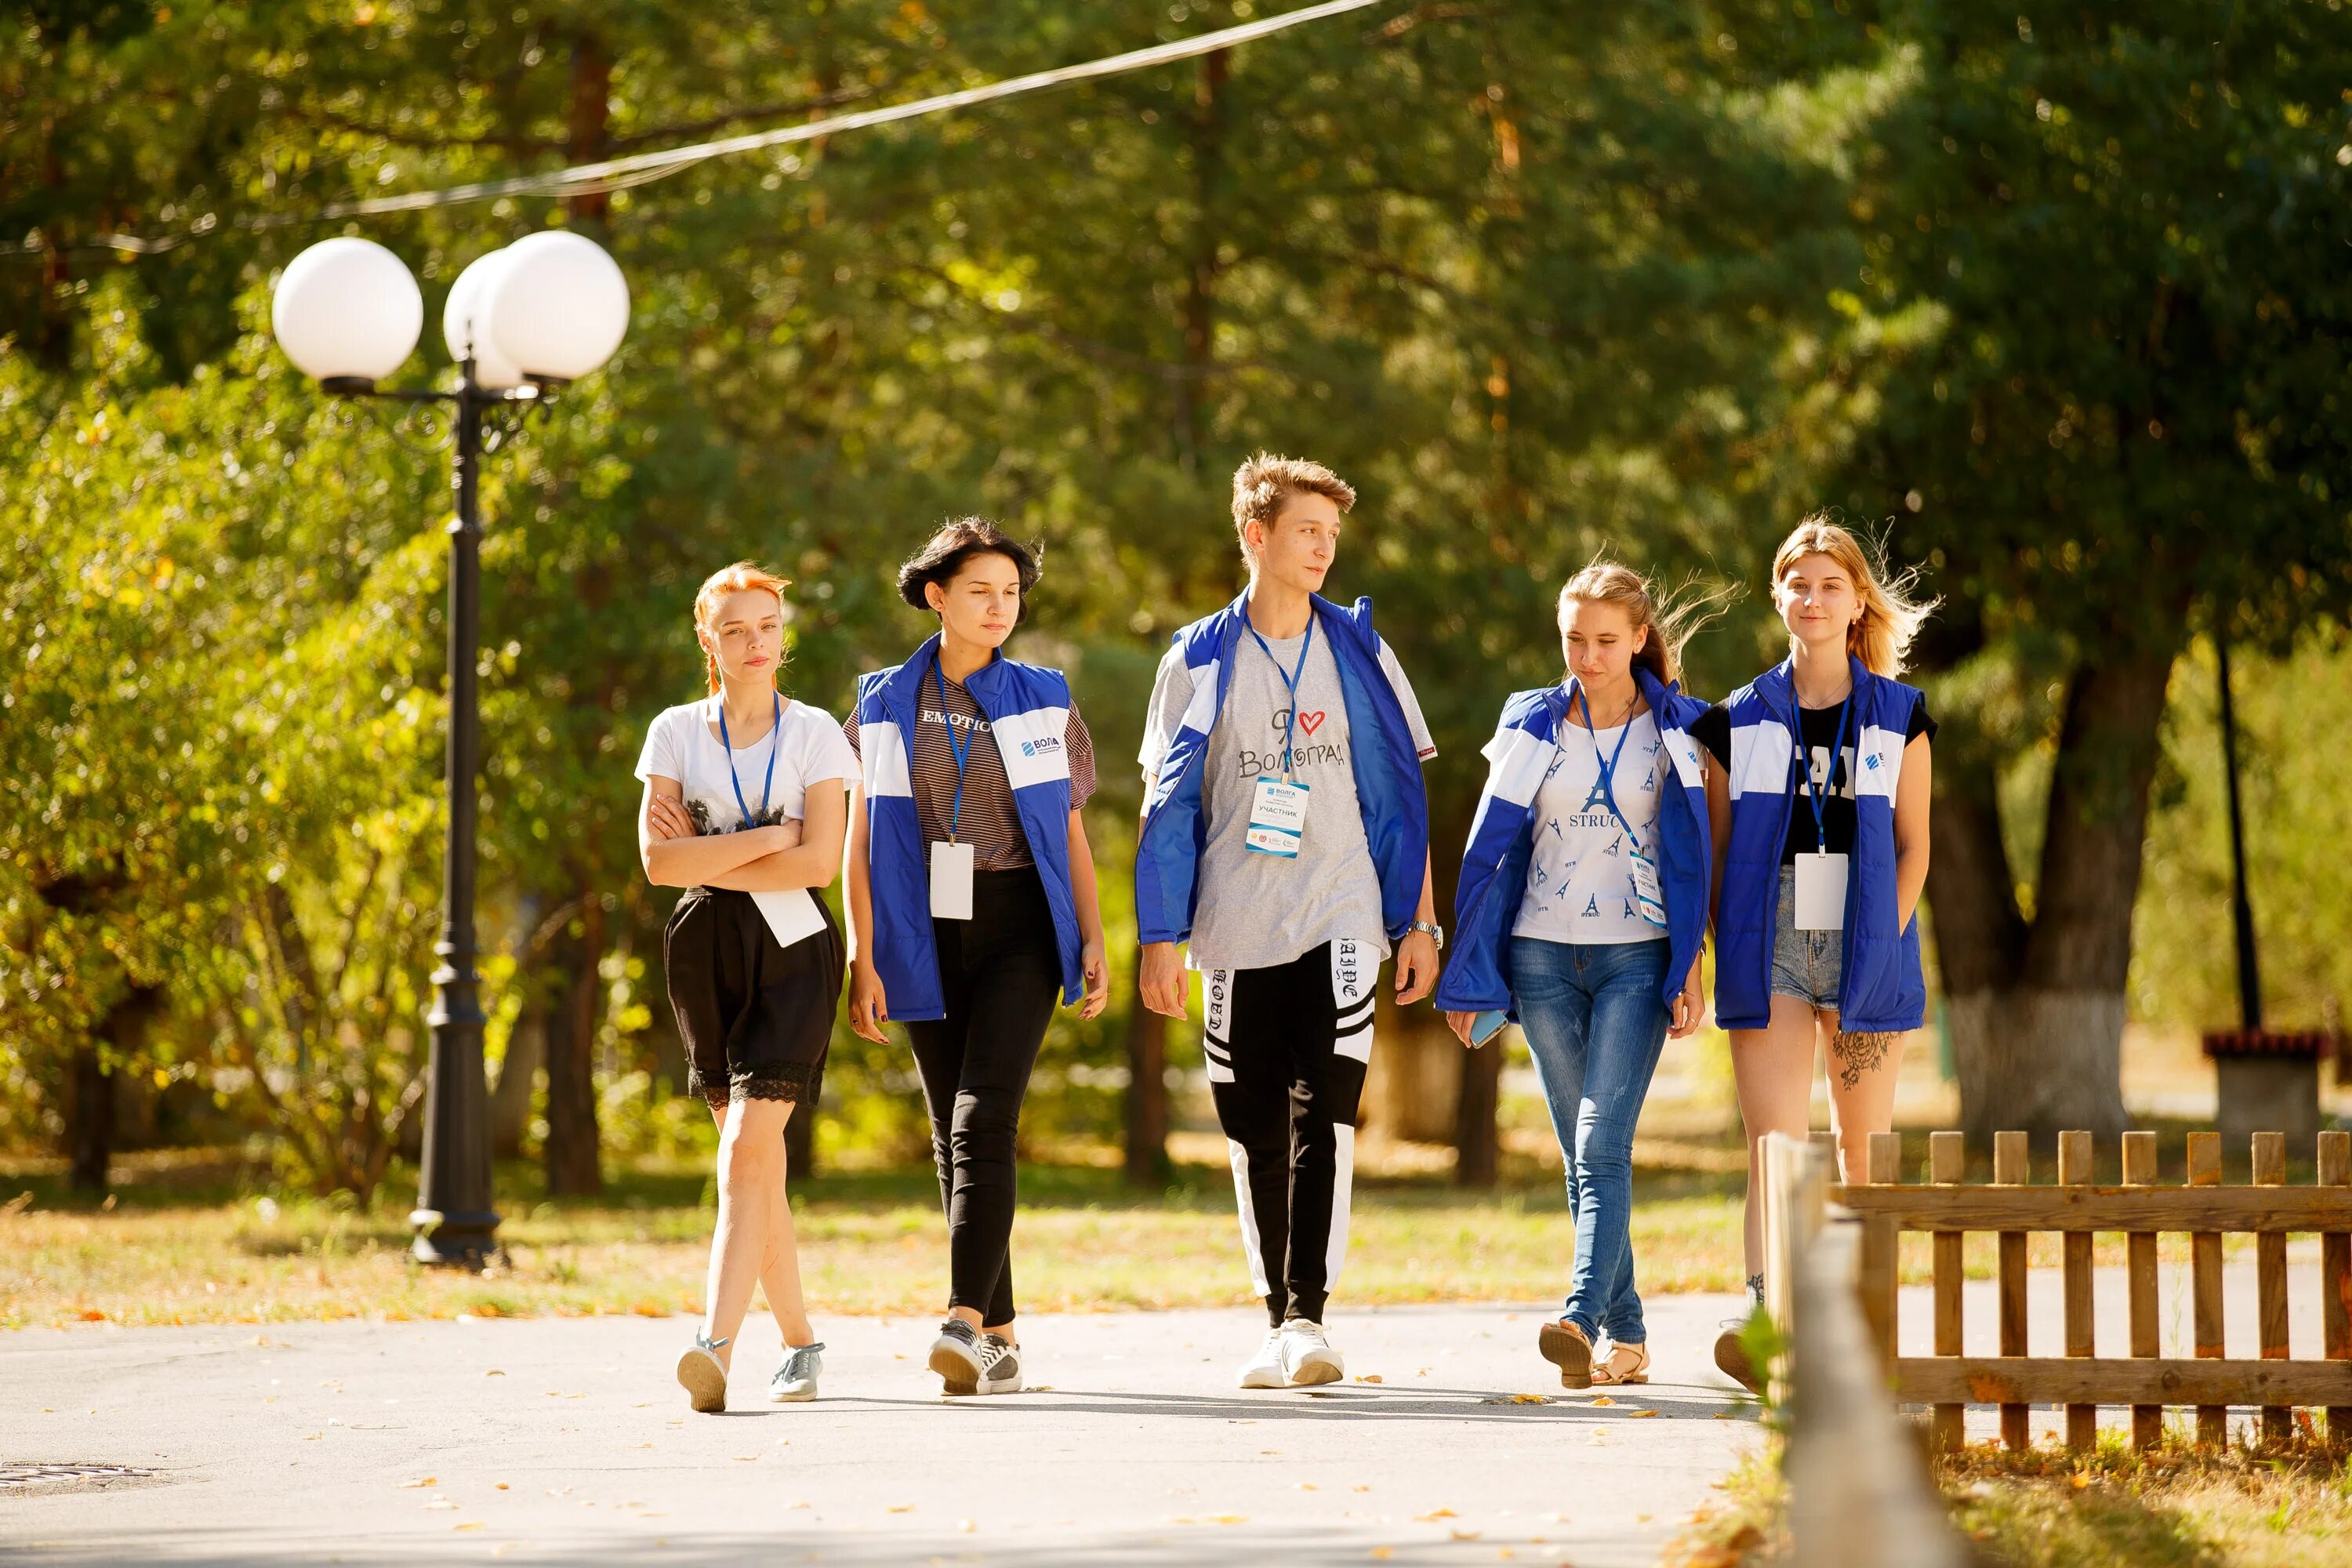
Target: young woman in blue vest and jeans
(1818, 799)
(1581, 912)
(972, 901)
(744, 806)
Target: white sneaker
(1265, 1369)
(1307, 1357)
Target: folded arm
(675, 855)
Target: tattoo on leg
(1860, 1051)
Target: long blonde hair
(1671, 619)
(1892, 614)
(735, 579)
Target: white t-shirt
(1581, 876)
(807, 746)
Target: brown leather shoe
(1564, 1345)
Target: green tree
(2101, 316)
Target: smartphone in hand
(1486, 1026)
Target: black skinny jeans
(1002, 975)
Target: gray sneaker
(795, 1380)
(1000, 1365)
(699, 1373)
(956, 1357)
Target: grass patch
(191, 1240)
(2174, 1507)
(1748, 1524)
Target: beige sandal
(1563, 1344)
(1615, 1367)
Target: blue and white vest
(1883, 988)
(1381, 754)
(1028, 712)
(1502, 842)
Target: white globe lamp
(348, 313)
(461, 319)
(558, 308)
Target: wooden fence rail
(1949, 1380)
(1858, 1492)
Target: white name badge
(793, 913)
(1647, 893)
(1277, 819)
(951, 881)
(1820, 892)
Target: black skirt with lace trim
(756, 1017)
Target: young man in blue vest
(1286, 838)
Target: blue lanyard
(958, 748)
(1609, 767)
(1290, 681)
(1818, 798)
(775, 735)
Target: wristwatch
(1436, 932)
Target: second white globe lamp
(556, 309)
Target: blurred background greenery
(2056, 305)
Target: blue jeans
(1595, 1025)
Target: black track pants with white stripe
(1287, 1050)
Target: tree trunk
(95, 1108)
(800, 1139)
(89, 1134)
(2037, 1027)
(1200, 323)
(517, 1076)
(576, 993)
(1147, 1096)
(1477, 1141)
(590, 121)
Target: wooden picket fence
(1946, 1208)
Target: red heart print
(1310, 722)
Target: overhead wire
(642, 168)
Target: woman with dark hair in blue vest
(1818, 800)
(1581, 912)
(972, 901)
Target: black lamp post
(347, 311)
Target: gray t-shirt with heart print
(1258, 910)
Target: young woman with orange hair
(745, 807)
(1818, 796)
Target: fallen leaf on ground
(1603, 1399)
(494, 1372)
(1436, 1513)
(899, 1508)
(1369, 1377)
(1638, 1415)
(469, 1524)
(422, 1481)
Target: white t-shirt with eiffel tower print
(1581, 876)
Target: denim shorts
(1807, 964)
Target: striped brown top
(988, 822)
